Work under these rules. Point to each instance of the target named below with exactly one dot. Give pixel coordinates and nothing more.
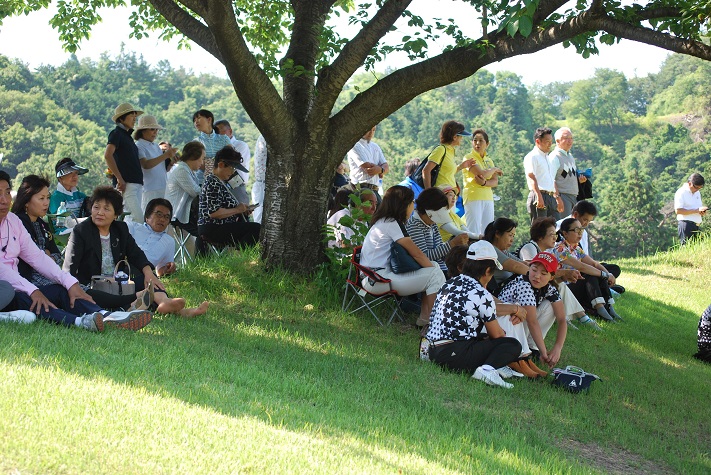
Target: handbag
(401, 261)
(573, 379)
(433, 174)
(114, 285)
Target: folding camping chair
(182, 254)
(363, 298)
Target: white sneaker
(18, 316)
(506, 372)
(490, 376)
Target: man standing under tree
(367, 163)
(687, 204)
(543, 198)
(564, 169)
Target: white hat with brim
(148, 122)
(483, 251)
(123, 109)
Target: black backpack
(417, 174)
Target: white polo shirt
(685, 199)
(536, 162)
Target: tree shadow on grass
(354, 381)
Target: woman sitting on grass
(594, 290)
(535, 293)
(463, 308)
(543, 238)
(388, 226)
(97, 244)
(62, 301)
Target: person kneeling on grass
(159, 247)
(462, 308)
(535, 293)
(62, 301)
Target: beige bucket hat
(147, 122)
(124, 108)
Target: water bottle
(61, 220)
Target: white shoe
(18, 316)
(490, 376)
(506, 372)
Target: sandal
(144, 299)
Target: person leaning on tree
(688, 207)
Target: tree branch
(655, 38)
(255, 91)
(333, 78)
(545, 8)
(309, 20)
(187, 24)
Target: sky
(552, 64)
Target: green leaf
(525, 25)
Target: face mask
(439, 216)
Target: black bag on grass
(573, 379)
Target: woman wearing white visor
(423, 226)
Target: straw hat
(147, 122)
(124, 108)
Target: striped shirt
(428, 239)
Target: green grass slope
(275, 379)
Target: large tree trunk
(295, 204)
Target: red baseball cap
(547, 260)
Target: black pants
(64, 314)
(687, 231)
(468, 355)
(589, 288)
(241, 233)
(115, 302)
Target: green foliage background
(642, 136)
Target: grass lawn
(275, 379)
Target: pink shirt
(16, 243)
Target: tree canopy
(296, 42)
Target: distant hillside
(641, 136)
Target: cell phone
(253, 206)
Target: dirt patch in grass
(614, 460)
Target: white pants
(258, 198)
(132, 196)
(520, 332)
(151, 195)
(571, 304)
(427, 279)
(546, 319)
(478, 215)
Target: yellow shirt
(448, 167)
(458, 222)
(473, 191)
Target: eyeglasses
(578, 230)
(160, 215)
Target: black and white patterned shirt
(520, 291)
(462, 306)
(216, 194)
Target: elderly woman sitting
(98, 244)
(222, 218)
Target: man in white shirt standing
(224, 128)
(367, 163)
(688, 207)
(543, 198)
